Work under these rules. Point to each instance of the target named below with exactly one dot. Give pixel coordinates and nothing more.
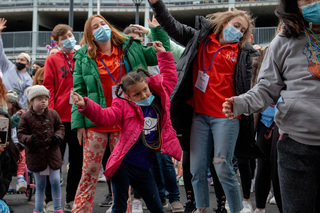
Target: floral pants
(93, 150)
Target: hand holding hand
(157, 45)
(154, 23)
(228, 108)
(2, 24)
(78, 100)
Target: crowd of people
(203, 95)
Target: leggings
(41, 183)
(187, 176)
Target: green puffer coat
(86, 78)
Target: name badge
(70, 98)
(202, 81)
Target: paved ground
(20, 203)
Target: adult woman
(100, 64)
(230, 73)
(291, 69)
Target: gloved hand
(56, 141)
(34, 141)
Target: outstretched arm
(4, 62)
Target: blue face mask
(232, 34)
(69, 43)
(311, 12)
(146, 102)
(103, 34)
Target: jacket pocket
(286, 107)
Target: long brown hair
(116, 38)
(220, 18)
(3, 93)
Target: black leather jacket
(181, 112)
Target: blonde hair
(116, 38)
(219, 19)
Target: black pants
(75, 163)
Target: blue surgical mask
(103, 34)
(69, 43)
(146, 102)
(311, 12)
(232, 34)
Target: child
(146, 128)
(15, 111)
(41, 131)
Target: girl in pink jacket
(143, 114)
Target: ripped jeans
(221, 133)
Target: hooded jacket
(129, 117)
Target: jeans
(41, 183)
(142, 181)
(221, 133)
(165, 176)
(299, 175)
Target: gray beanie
(37, 90)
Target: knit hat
(37, 90)
(13, 97)
(27, 56)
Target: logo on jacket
(150, 124)
(311, 58)
(232, 56)
(65, 71)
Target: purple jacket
(129, 117)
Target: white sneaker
(247, 207)
(259, 211)
(273, 201)
(227, 207)
(48, 208)
(21, 184)
(109, 209)
(137, 206)
(270, 195)
(102, 178)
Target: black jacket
(181, 112)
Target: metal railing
(114, 3)
(17, 42)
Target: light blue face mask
(311, 12)
(146, 102)
(69, 43)
(232, 34)
(103, 34)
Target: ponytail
(145, 72)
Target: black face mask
(33, 71)
(20, 66)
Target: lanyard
(70, 67)
(204, 47)
(108, 69)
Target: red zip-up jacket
(59, 81)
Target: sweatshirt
(288, 70)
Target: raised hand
(2, 24)
(153, 1)
(141, 29)
(157, 45)
(78, 100)
(154, 23)
(227, 108)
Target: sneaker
(11, 190)
(220, 209)
(259, 211)
(190, 207)
(109, 209)
(270, 195)
(58, 211)
(176, 206)
(102, 178)
(247, 207)
(165, 204)
(273, 201)
(48, 208)
(137, 206)
(107, 202)
(21, 184)
(61, 179)
(227, 206)
(68, 206)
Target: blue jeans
(299, 176)
(142, 181)
(221, 133)
(41, 183)
(165, 176)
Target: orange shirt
(221, 75)
(110, 75)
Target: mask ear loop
(310, 25)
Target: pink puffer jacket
(129, 117)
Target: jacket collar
(34, 113)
